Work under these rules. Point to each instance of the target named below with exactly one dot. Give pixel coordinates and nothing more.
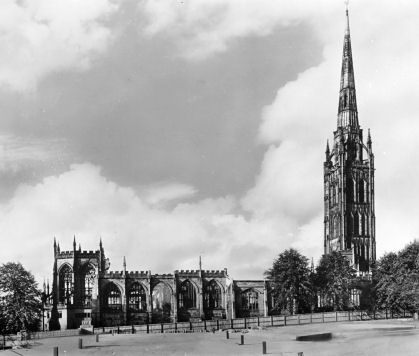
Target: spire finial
(347, 17)
(200, 263)
(327, 151)
(369, 141)
(74, 242)
(125, 265)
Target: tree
(290, 282)
(397, 279)
(333, 280)
(20, 299)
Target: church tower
(349, 218)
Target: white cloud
(202, 28)
(42, 36)
(160, 194)
(19, 153)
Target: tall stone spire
(347, 112)
(349, 219)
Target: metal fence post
(264, 347)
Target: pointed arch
(113, 298)
(87, 281)
(161, 302)
(137, 298)
(65, 284)
(250, 300)
(187, 295)
(212, 295)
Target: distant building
(349, 216)
(84, 293)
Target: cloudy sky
(179, 128)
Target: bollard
(97, 337)
(55, 351)
(241, 339)
(227, 335)
(264, 347)
(80, 343)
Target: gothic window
(65, 285)
(137, 298)
(356, 224)
(336, 226)
(367, 198)
(88, 278)
(212, 295)
(366, 225)
(350, 224)
(250, 300)
(363, 227)
(187, 295)
(361, 190)
(350, 190)
(161, 298)
(113, 297)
